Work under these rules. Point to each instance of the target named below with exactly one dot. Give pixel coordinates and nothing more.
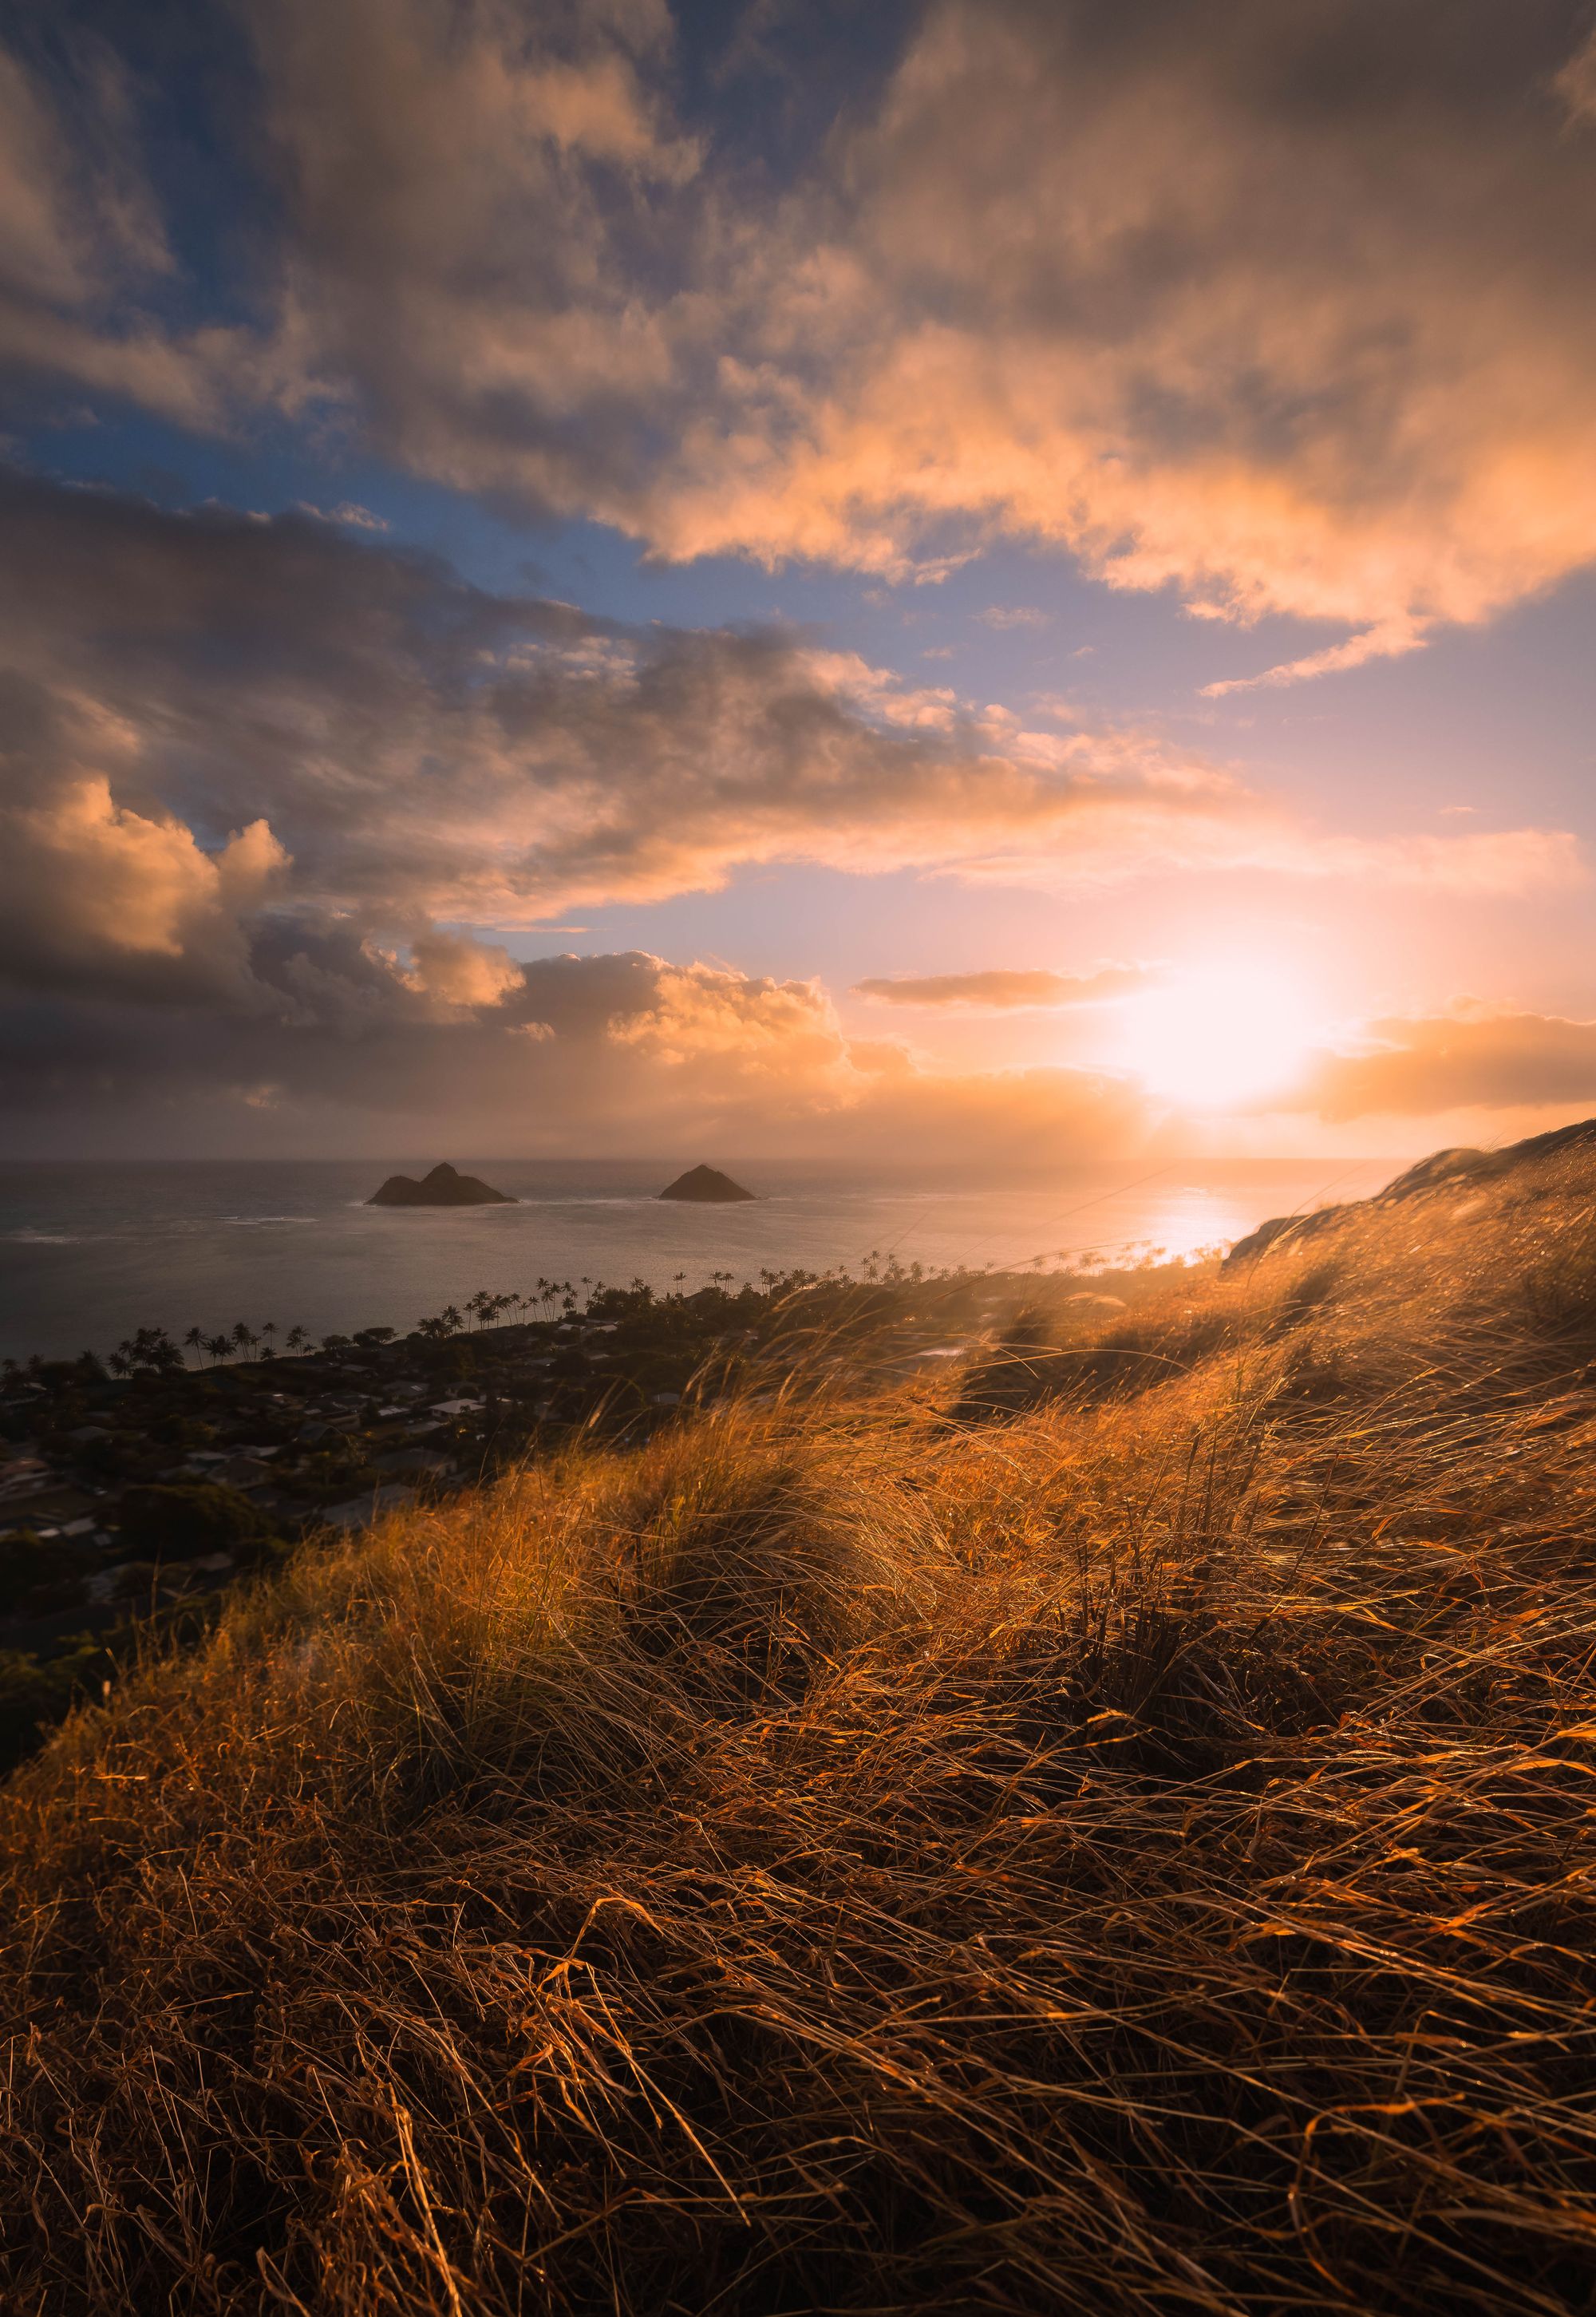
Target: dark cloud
(255, 778)
(1290, 305)
(205, 714)
(998, 991)
(615, 1052)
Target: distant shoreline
(89, 1254)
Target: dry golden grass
(1132, 1856)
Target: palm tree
(195, 1339)
(269, 1330)
(219, 1346)
(297, 1338)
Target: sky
(1009, 580)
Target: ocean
(90, 1251)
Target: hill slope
(1133, 1855)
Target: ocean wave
(27, 1237)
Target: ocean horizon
(91, 1249)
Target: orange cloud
(605, 1051)
(92, 889)
(458, 971)
(1290, 313)
(1472, 1056)
(1288, 308)
(428, 752)
(1001, 991)
(1391, 641)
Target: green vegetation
(1109, 1831)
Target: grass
(1129, 1852)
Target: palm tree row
(152, 1351)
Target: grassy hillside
(1111, 1833)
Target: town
(136, 1488)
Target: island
(706, 1186)
(443, 1188)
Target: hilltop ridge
(1441, 1170)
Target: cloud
(85, 257)
(1290, 311)
(998, 991)
(1390, 640)
(460, 972)
(612, 1052)
(1576, 83)
(92, 891)
(268, 789)
(410, 750)
(1472, 1056)
(358, 517)
(1504, 861)
(1020, 616)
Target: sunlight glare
(1217, 1038)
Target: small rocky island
(443, 1188)
(706, 1186)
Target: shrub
(186, 1521)
(41, 1574)
(37, 1692)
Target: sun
(1217, 1038)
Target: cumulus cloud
(999, 991)
(1472, 1056)
(420, 751)
(268, 789)
(92, 889)
(459, 971)
(1289, 309)
(619, 1052)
